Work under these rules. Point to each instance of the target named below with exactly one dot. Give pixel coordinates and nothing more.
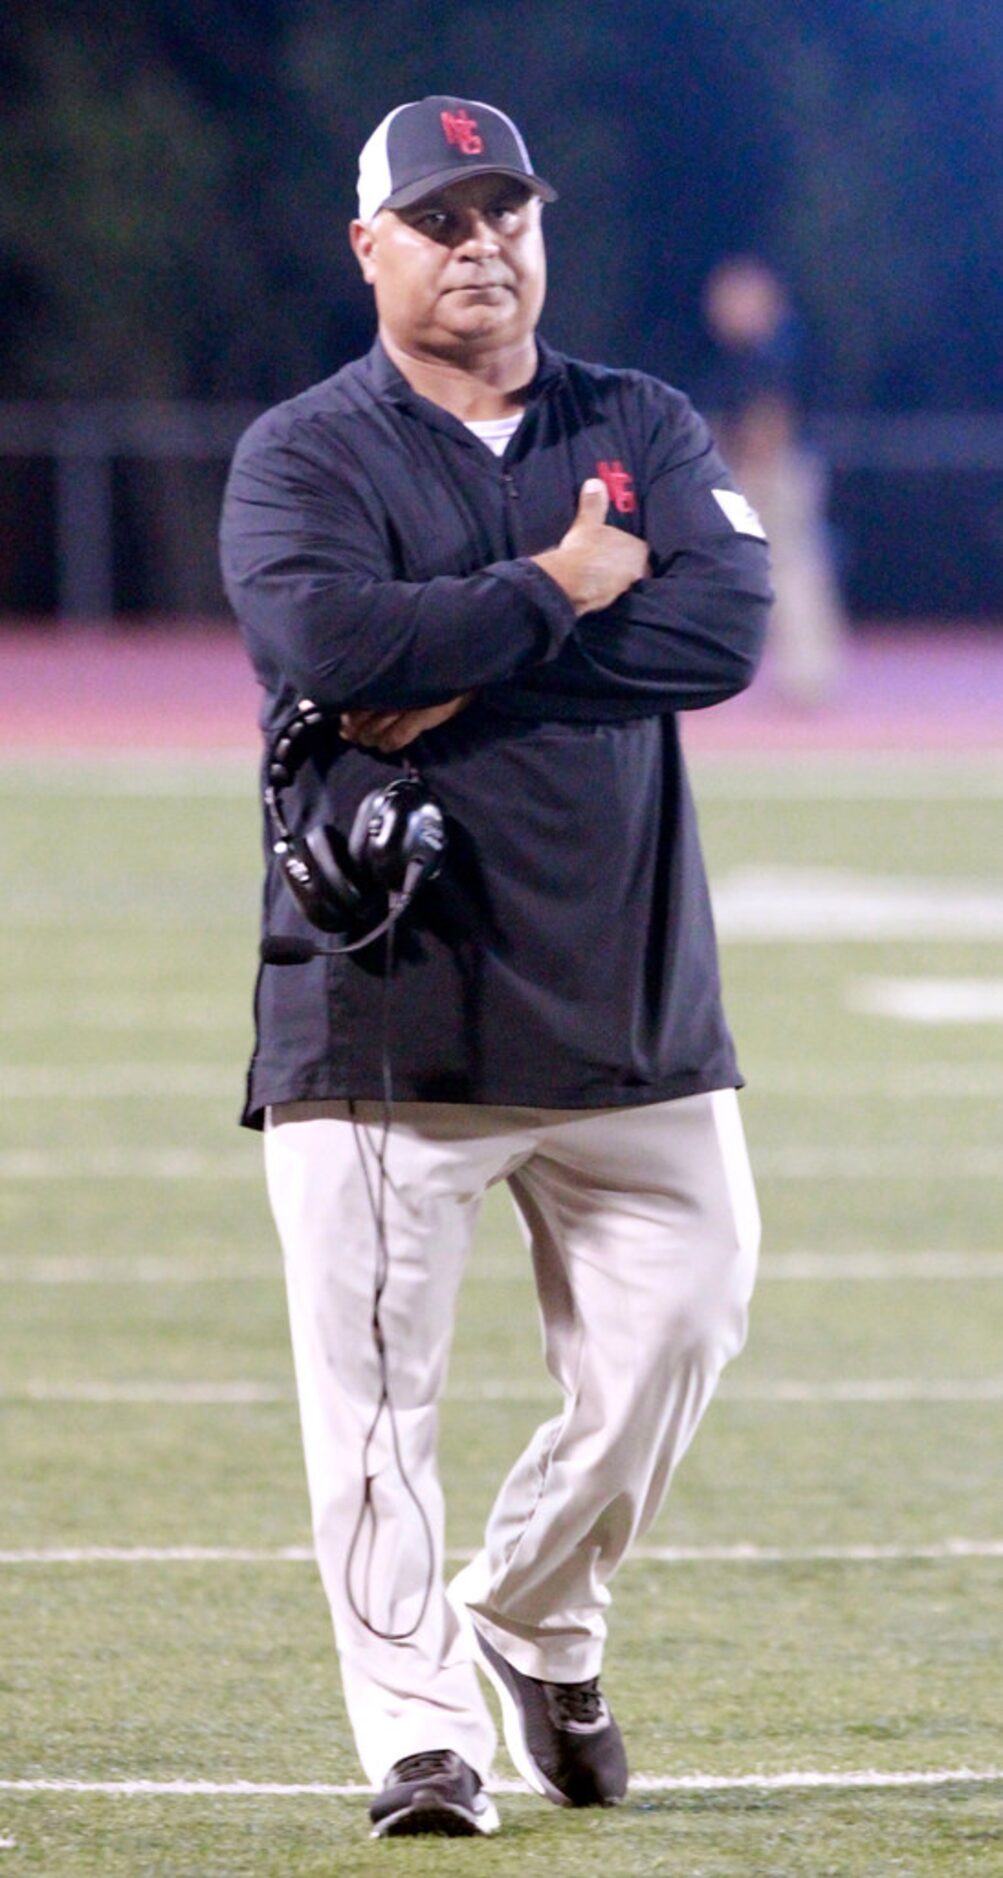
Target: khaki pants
(643, 1230)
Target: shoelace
(424, 1766)
(577, 1703)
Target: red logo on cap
(619, 482)
(460, 129)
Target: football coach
(478, 580)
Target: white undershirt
(495, 431)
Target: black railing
(83, 442)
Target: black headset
(396, 841)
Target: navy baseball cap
(422, 147)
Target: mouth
(482, 287)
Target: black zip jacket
(376, 554)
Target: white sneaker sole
(511, 1713)
(439, 1819)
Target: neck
(480, 387)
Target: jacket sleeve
(308, 569)
(692, 633)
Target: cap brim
(406, 197)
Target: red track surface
(189, 687)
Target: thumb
(593, 502)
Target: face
(460, 274)
(744, 303)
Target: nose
(479, 239)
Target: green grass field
(823, 1592)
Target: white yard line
(868, 1389)
(785, 904)
(905, 1389)
(65, 1269)
(887, 1268)
(164, 1394)
(780, 1267)
(123, 1164)
(812, 1778)
(943, 1551)
(894, 1389)
(940, 1553)
(928, 1001)
(158, 1394)
(790, 1779)
(753, 905)
(158, 1555)
(240, 1392)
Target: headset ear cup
(342, 888)
(398, 836)
(306, 883)
(322, 881)
(359, 833)
(382, 833)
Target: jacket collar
(389, 383)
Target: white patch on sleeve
(740, 513)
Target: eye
(432, 222)
(506, 210)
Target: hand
(594, 563)
(388, 731)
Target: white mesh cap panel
(375, 181)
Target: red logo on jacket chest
(460, 128)
(620, 484)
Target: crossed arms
(604, 620)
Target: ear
(363, 241)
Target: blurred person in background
(509, 569)
(752, 398)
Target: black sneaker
(432, 1793)
(560, 1735)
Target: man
(515, 568)
(752, 393)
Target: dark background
(176, 178)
